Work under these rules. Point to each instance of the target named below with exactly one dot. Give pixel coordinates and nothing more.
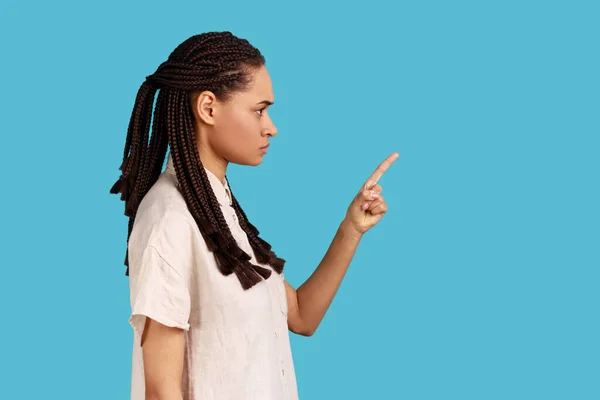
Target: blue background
(482, 280)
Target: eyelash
(261, 110)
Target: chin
(251, 162)
(257, 162)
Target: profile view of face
(238, 129)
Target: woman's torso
(237, 345)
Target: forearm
(316, 294)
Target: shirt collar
(221, 189)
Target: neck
(213, 163)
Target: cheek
(249, 123)
(236, 131)
(244, 127)
(240, 122)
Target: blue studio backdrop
(482, 280)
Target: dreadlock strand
(261, 248)
(184, 169)
(156, 150)
(140, 167)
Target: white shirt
(236, 342)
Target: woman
(210, 306)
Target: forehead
(261, 86)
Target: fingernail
(374, 195)
(365, 206)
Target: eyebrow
(267, 102)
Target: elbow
(307, 331)
(303, 330)
(162, 393)
(301, 326)
(151, 394)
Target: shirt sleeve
(159, 292)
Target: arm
(163, 361)
(307, 305)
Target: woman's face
(237, 130)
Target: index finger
(378, 173)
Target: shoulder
(164, 223)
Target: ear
(203, 105)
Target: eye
(261, 111)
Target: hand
(368, 207)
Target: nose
(271, 129)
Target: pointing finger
(379, 171)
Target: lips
(264, 147)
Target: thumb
(366, 195)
